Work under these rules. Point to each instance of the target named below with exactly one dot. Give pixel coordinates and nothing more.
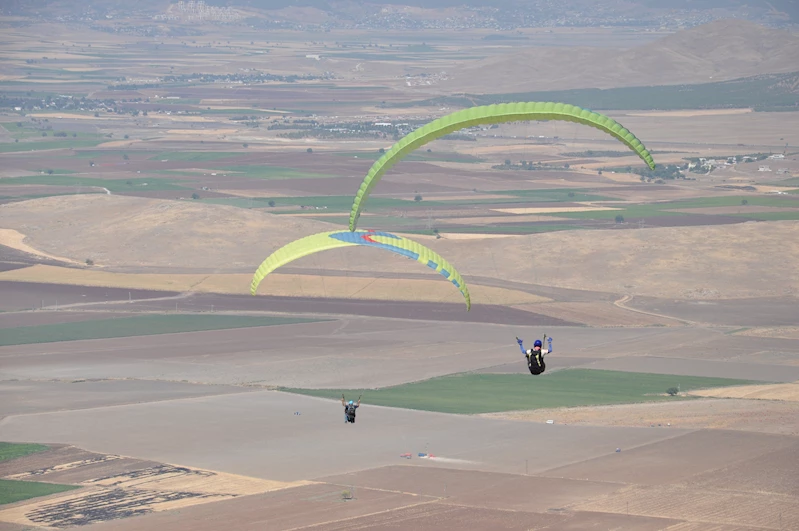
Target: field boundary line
(627, 298)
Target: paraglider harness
(349, 409)
(535, 360)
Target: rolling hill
(718, 51)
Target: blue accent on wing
(357, 238)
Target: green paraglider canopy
(490, 114)
(343, 238)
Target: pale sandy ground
(717, 505)
(742, 260)
(616, 177)
(277, 284)
(734, 413)
(786, 332)
(690, 112)
(555, 210)
(119, 143)
(16, 240)
(788, 392)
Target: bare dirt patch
(785, 332)
(24, 397)
(320, 506)
(745, 415)
(23, 296)
(690, 113)
(508, 492)
(16, 240)
(709, 506)
(776, 472)
(279, 285)
(787, 392)
(598, 314)
(651, 262)
(113, 229)
(676, 459)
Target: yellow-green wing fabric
(292, 251)
(383, 240)
(490, 114)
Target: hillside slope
(720, 50)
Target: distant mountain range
(417, 14)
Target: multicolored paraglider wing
(490, 114)
(343, 238)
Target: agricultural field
(13, 451)
(149, 164)
(12, 491)
(488, 393)
(132, 326)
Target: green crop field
(114, 185)
(13, 491)
(704, 202)
(194, 156)
(560, 195)
(270, 172)
(10, 451)
(10, 147)
(115, 153)
(486, 393)
(140, 325)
